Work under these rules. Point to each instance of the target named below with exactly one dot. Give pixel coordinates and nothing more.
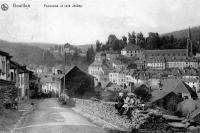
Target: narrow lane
(50, 117)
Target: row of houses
(74, 82)
(14, 74)
(162, 59)
(114, 71)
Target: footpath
(25, 108)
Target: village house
(111, 55)
(24, 82)
(166, 100)
(77, 83)
(193, 83)
(50, 86)
(178, 87)
(20, 75)
(100, 68)
(5, 65)
(113, 76)
(128, 77)
(58, 69)
(132, 50)
(116, 64)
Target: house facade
(132, 50)
(100, 68)
(118, 65)
(4, 65)
(157, 63)
(128, 77)
(183, 63)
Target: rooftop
(176, 86)
(5, 54)
(132, 47)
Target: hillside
(85, 47)
(195, 32)
(23, 53)
(27, 53)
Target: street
(50, 117)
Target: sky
(95, 20)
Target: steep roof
(5, 54)
(176, 86)
(159, 94)
(75, 71)
(132, 47)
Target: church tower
(189, 44)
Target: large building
(156, 63)
(132, 50)
(166, 53)
(164, 58)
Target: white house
(132, 50)
(157, 63)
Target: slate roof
(165, 51)
(159, 94)
(156, 59)
(177, 86)
(5, 54)
(131, 47)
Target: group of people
(126, 103)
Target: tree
(90, 54)
(105, 47)
(143, 92)
(112, 42)
(98, 46)
(124, 39)
(131, 38)
(140, 40)
(75, 56)
(153, 41)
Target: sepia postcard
(99, 66)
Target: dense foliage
(143, 92)
(174, 40)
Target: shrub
(143, 92)
(70, 102)
(109, 96)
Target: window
(12, 76)
(3, 67)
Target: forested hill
(25, 54)
(195, 32)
